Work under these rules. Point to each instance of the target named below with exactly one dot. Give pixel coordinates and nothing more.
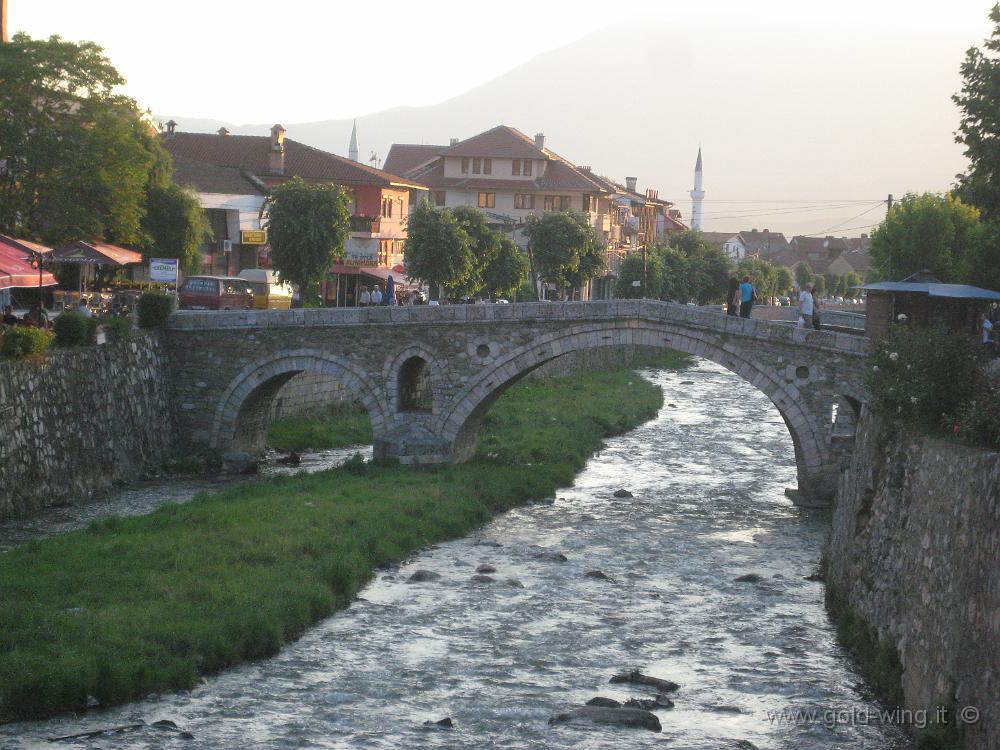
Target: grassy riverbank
(139, 605)
(337, 426)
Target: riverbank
(133, 606)
(336, 425)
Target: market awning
(95, 254)
(15, 264)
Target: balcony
(600, 222)
(366, 224)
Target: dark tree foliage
(438, 249)
(566, 250)
(307, 226)
(709, 267)
(505, 271)
(175, 225)
(78, 157)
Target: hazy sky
(303, 60)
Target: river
(708, 478)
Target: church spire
(697, 195)
(353, 150)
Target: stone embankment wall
(80, 421)
(915, 551)
(308, 393)
(601, 358)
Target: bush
(977, 421)
(74, 329)
(22, 342)
(154, 309)
(922, 373)
(118, 329)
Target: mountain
(816, 117)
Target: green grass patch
(130, 606)
(337, 426)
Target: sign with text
(163, 270)
(253, 236)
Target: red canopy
(15, 264)
(96, 254)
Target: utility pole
(888, 209)
(888, 203)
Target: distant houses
(836, 256)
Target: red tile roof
(501, 142)
(253, 152)
(404, 157)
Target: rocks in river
(488, 543)
(648, 704)
(553, 556)
(623, 717)
(513, 583)
(423, 576)
(486, 569)
(816, 577)
(623, 493)
(638, 678)
(749, 578)
(92, 702)
(480, 578)
(604, 702)
(292, 459)
(445, 723)
(726, 709)
(599, 575)
(237, 462)
(672, 406)
(164, 724)
(744, 745)
(687, 382)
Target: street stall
(22, 267)
(97, 264)
(342, 286)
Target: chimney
(630, 183)
(171, 128)
(277, 155)
(540, 141)
(585, 169)
(454, 141)
(766, 230)
(222, 131)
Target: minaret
(697, 195)
(352, 150)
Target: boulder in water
(480, 578)
(423, 576)
(687, 382)
(553, 556)
(749, 578)
(486, 569)
(514, 583)
(648, 704)
(623, 717)
(292, 459)
(623, 493)
(445, 723)
(238, 462)
(604, 702)
(599, 575)
(638, 678)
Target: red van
(215, 293)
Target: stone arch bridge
(427, 375)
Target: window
(590, 202)
(438, 197)
(487, 166)
(387, 208)
(526, 171)
(557, 202)
(487, 200)
(515, 167)
(465, 165)
(477, 165)
(524, 200)
(550, 203)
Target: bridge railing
(582, 312)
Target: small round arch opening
(414, 384)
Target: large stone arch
(461, 420)
(241, 413)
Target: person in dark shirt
(9, 318)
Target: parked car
(268, 292)
(215, 293)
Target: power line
(777, 212)
(792, 200)
(845, 229)
(879, 204)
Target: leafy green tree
(78, 157)
(783, 281)
(762, 276)
(485, 246)
(979, 130)
(648, 276)
(678, 281)
(820, 286)
(803, 274)
(708, 267)
(175, 225)
(851, 280)
(307, 227)
(566, 250)
(941, 235)
(438, 249)
(505, 271)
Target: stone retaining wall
(81, 421)
(308, 393)
(915, 551)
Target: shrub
(978, 419)
(23, 342)
(118, 329)
(922, 373)
(154, 309)
(73, 329)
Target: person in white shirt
(366, 298)
(986, 326)
(376, 296)
(806, 305)
(84, 310)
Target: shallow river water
(708, 476)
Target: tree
(783, 281)
(485, 245)
(648, 276)
(438, 249)
(852, 280)
(307, 227)
(941, 235)
(505, 271)
(979, 129)
(175, 225)
(803, 274)
(677, 274)
(567, 251)
(819, 288)
(708, 267)
(762, 276)
(78, 157)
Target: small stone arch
(242, 410)
(396, 380)
(461, 421)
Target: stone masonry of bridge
(428, 375)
